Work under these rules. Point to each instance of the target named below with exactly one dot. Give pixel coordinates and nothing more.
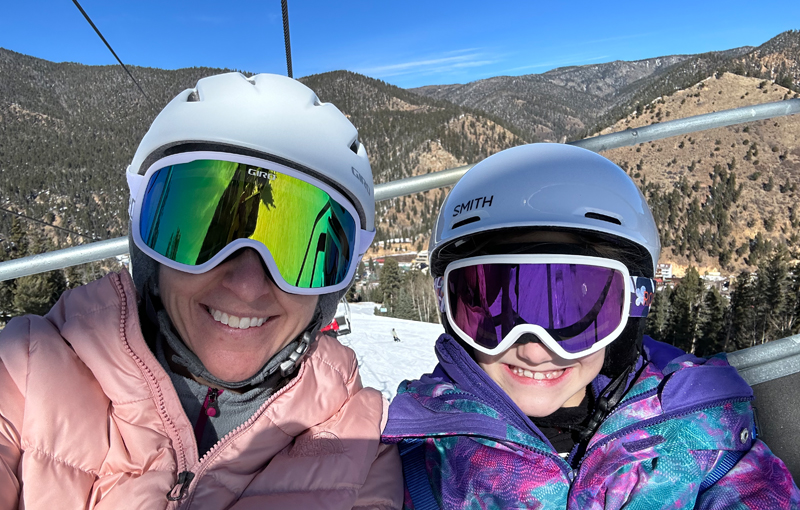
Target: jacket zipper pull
(183, 481)
(212, 407)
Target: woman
(546, 394)
(203, 382)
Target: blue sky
(409, 44)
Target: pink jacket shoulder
(89, 419)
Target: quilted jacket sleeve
(13, 371)
(758, 480)
(383, 489)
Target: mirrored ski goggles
(191, 211)
(575, 305)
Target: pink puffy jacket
(90, 420)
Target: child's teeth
(553, 374)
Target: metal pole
(60, 259)
(768, 361)
(98, 251)
(419, 183)
(690, 125)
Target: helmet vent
(354, 146)
(193, 97)
(466, 222)
(602, 217)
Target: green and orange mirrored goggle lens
(191, 211)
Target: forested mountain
(68, 131)
(407, 134)
(722, 199)
(571, 102)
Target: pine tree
(19, 240)
(658, 318)
(743, 315)
(775, 309)
(391, 280)
(795, 297)
(37, 293)
(404, 308)
(685, 307)
(711, 327)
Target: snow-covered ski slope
(384, 363)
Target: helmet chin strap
(289, 366)
(608, 400)
(185, 362)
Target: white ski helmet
(276, 118)
(566, 187)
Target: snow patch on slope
(384, 363)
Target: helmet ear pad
(326, 308)
(624, 351)
(144, 269)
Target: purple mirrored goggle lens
(576, 304)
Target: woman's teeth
(236, 322)
(552, 374)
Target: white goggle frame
(138, 185)
(521, 329)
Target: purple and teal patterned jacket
(653, 451)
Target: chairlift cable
(43, 223)
(285, 11)
(111, 49)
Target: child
(546, 394)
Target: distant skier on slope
(394, 335)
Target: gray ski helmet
(270, 117)
(564, 188)
(550, 187)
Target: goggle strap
(641, 296)
(438, 289)
(366, 241)
(134, 182)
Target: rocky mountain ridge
(573, 102)
(68, 131)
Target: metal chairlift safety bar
(768, 361)
(92, 252)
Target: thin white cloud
(461, 59)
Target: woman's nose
(245, 276)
